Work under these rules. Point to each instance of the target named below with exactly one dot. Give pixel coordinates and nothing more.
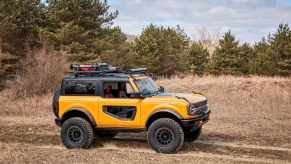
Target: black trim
(165, 110)
(161, 111)
(58, 122)
(55, 102)
(133, 130)
(198, 110)
(99, 88)
(203, 118)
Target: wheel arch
(77, 112)
(163, 113)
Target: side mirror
(162, 89)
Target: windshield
(147, 84)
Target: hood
(189, 97)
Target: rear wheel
(77, 133)
(191, 136)
(165, 136)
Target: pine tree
(273, 55)
(116, 49)
(82, 27)
(264, 62)
(245, 59)
(162, 49)
(20, 22)
(197, 58)
(226, 55)
(280, 44)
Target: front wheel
(165, 136)
(77, 133)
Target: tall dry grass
(40, 73)
(33, 106)
(243, 108)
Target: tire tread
(172, 124)
(84, 124)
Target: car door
(117, 112)
(80, 94)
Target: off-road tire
(106, 134)
(191, 136)
(156, 139)
(82, 128)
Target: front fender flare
(168, 111)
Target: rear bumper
(58, 122)
(198, 121)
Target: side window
(79, 87)
(117, 89)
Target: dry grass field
(250, 123)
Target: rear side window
(79, 87)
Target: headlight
(191, 109)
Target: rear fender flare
(85, 112)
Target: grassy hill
(250, 123)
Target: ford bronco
(100, 101)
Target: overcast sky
(250, 20)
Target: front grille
(199, 104)
(198, 108)
(201, 110)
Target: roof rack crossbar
(101, 69)
(137, 71)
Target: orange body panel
(145, 107)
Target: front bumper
(197, 121)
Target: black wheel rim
(75, 134)
(164, 136)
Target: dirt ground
(250, 123)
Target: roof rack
(90, 67)
(137, 71)
(102, 69)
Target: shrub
(40, 73)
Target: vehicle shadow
(203, 145)
(139, 142)
(36, 137)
